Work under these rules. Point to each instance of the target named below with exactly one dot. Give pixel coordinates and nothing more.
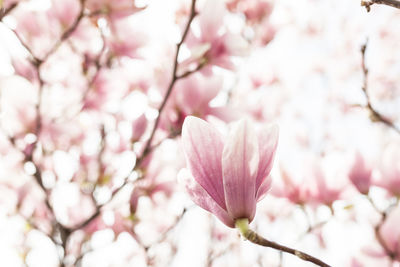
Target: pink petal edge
(202, 198)
(267, 143)
(203, 146)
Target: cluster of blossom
(116, 116)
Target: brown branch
(148, 147)
(368, 3)
(374, 115)
(174, 79)
(381, 241)
(63, 231)
(68, 32)
(190, 72)
(256, 239)
(5, 11)
(58, 228)
(242, 225)
(34, 60)
(163, 236)
(377, 229)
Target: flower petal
(203, 146)
(267, 143)
(263, 188)
(211, 19)
(202, 198)
(240, 159)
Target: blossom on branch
(214, 43)
(228, 175)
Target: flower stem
(243, 226)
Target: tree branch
(148, 147)
(369, 3)
(68, 32)
(5, 11)
(374, 115)
(243, 226)
(377, 229)
(174, 79)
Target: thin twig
(242, 225)
(5, 11)
(256, 239)
(311, 226)
(368, 3)
(174, 79)
(374, 115)
(68, 32)
(164, 234)
(36, 62)
(377, 229)
(148, 147)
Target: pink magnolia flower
(360, 174)
(227, 176)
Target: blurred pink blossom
(64, 11)
(390, 170)
(360, 174)
(228, 175)
(254, 10)
(23, 68)
(325, 192)
(126, 39)
(217, 44)
(192, 96)
(296, 191)
(155, 183)
(113, 9)
(390, 233)
(139, 126)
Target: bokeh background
(98, 89)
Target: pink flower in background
(23, 68)
(309, 183)
(218, 44)
(126, 39)
(114, 9)
(326, 192)
(296, 191)
(360, 174)
(139, 126)
(228, 175)
(254, 10)
(64, 11)
(390, 170)
(192, 96)
(390, 233)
